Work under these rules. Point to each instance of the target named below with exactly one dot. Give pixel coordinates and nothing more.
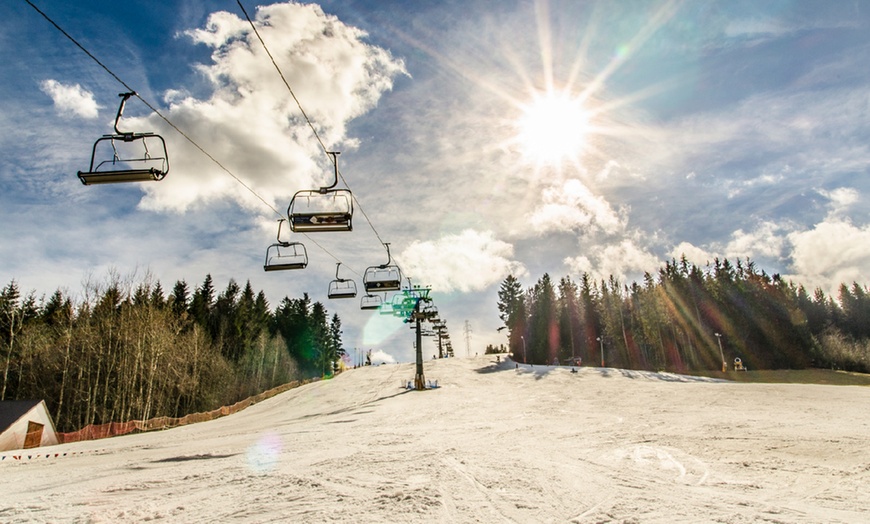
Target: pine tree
(179, 299)
(512, 311)
(202, 302)
(543, 340)
(335, 345)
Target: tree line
(129, 351)
(685, 318)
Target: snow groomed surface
(495, 442)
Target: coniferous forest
(130, 351)
(687, 319)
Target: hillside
(492, 444)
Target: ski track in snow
(494, 443)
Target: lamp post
(601, 341)
(524, 349)
(721, 354)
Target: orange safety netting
(113, 429)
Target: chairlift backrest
(342, 288)
(126, 156)
(285, 255)
(382, 278)
(322, 210)
(312, 211)
(370, 301)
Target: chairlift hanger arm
(283, 243)
(334, 154)
(389, 257)
(124, 98)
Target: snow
(494, 443)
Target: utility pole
(420, 295)
(467, 338)
(419, 379)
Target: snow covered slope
(494, 443)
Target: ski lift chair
(370, 302)
(341, 287)
(382, 278)
(126, 156)
(385, 277)
(283, 255)
(322, 210)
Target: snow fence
(114, 429)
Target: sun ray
(542, 15)
(665, 13)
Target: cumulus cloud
(380, 356)
(623, 261)
(573, 207)
(250, 122)
(71, 100)
(694, 254)
(831, 252)
(765, 240)
(469, 261)
(841, 199)
(835, 251)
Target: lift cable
(305, 115)
(173, 126)
(154, 109)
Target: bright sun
(553, 127)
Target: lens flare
(263, 455)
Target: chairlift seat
(114, 160)
(370, 302)
(293, 256)
(312, 211)
(126, 156)
(112, 177)
(342, 288)
(382, 278)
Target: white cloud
(694, 254)
(469, 261)
(755, 28)
(835, 251)
(832, 252)
(573, 207)
(71, 100)
(841, 199)
(623, 261)
(250, 122)
(380, 356)
(763, 241)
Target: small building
(25, 424)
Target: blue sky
(480, 138)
